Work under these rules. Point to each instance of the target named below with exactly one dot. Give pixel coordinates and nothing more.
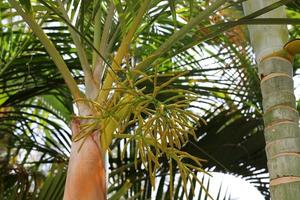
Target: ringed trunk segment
(282, 134)
(281, 127)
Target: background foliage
(36, 107)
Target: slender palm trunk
(86, 170)
(280, 115)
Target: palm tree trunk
(86, 171)
(280, 115)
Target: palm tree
(280, 115)
(165, 58)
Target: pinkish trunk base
(86, 171)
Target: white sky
(231, 186)
(238, 188)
